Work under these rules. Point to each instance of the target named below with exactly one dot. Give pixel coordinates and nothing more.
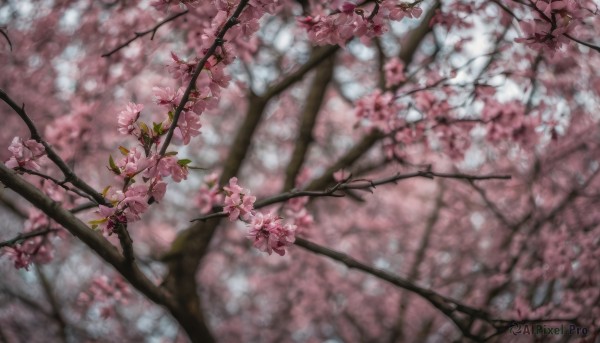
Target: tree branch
(52, 155)
(194, 325)
(314, 101)
(24, 236)
(219, 40)
(446, 305)
(358, 184)
(143, 33)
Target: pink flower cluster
(128, 206)
(168, 5)
(238, 201)
(295, 210)
(209, 196)
(270, 235)
(25, 154)
(379, 110)
(267, 231)
(70, 133)
(133, 198)
(350, 20)
(36, 249)
(394, 72)
(105, 293)
(508, 121)
(552, 19)
(128, 117)
(131, 203)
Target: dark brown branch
(589, 45)
(192, 324)
(126, 242)
(409, 49)
(356, 152)
(24, 236)
(314, 101)
(413, 274)
(318, 56)
(3, 33)
(56, 182)
(54, 304)
(447, 306)
(191, 244)
(358, 184)
(83, 207)
(52, 155)
(12, 207)
(143, 33)
(219, 40)
(506, 9)
(380, 63)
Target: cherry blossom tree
(300, 171)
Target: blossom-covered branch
(218, 41)
(70, 176)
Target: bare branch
(358, 184)
(143, 33)
(589, 45)
(5, 34)
(24, 236)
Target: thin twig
(5, 34)
(56, 182)
(358, 184)
(589, 45)
(143, 33)
(23, 236)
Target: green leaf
(184, 162)
(144, 127)
(123, 150)
(105, 190)
(171, 153)
(157, 128)
(95, 223)
(113, 166)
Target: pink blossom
(106, 294)
(270, 235)
(181, 69)
(135, 202)
(169, 166)
(378, 110)
(209, 195)
(295, 209)
(399, 11)
(133, 163)
(157, 189)
(128, 117)
(238, 201)
(188, 125)
(36, 249)
(394, 72)
(25, 154)
(166, 96)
